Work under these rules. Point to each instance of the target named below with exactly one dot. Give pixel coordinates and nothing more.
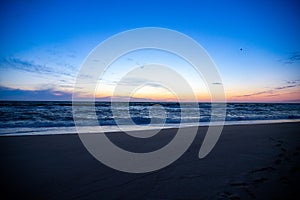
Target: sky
(254, 44)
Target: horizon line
(291, 102)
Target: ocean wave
(60, 114)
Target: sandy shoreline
(249, 162)
(34, 131)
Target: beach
(150, 100)
(259, 161)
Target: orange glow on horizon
(288, 95)
(279, 97)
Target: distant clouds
(31, 66)
(135, 81)
(293, 82)
(293, 58)
(33, 95)
(48, 77)
(285, 87)
(256, 93)
(54, 95)
(216, 83)
(24, 65)
(270, 92)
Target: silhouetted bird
(241, 49)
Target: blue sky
(43, 43)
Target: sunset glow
(256, 51)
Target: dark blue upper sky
(40, 36)
(271, 24)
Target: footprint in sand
(284, 180)
(229, 195)
(269, 169)
(294, 169)
(287, 159)
(280, 155)
(283, 149)
(295, 154)
(259, 180)
(278, 162)
(239, 184)
(278, 145)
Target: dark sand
(248, 162)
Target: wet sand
(248, 162)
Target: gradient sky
(43, 44)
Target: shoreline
(249, 161)
(34, 131)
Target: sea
(56, 117)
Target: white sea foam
(110, 129)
